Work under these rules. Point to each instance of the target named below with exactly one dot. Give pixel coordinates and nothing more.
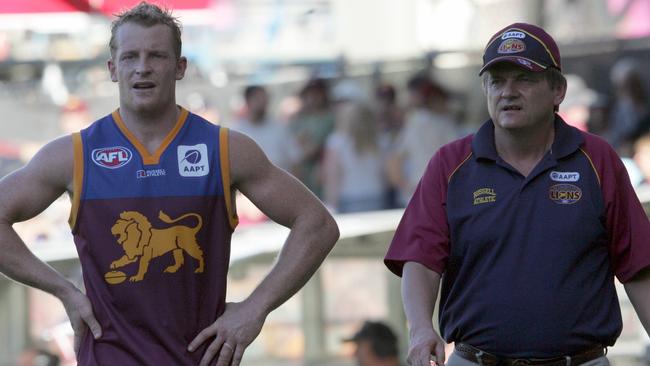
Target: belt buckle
(520, 362)
(479, 358)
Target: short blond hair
(148, 15)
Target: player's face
(518, 98)
(258, 102)
(146, 68)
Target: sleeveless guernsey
(153, 236)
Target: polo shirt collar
(567, 140)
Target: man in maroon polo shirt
(525, 224)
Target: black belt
(475, 355)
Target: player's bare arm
(24, 194)
(313, 234)
(419, 293)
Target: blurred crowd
(356, 149)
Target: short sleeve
(423, 233)
(627, 224)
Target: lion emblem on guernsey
(142, 243)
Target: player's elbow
(332, 229)
(326, 230)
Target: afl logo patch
(112, 157)
(512, 45)
(565, 194)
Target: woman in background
(354, 178)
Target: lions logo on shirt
(141, 243)
(565, 194)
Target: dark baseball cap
(373, 331)
(525, 45)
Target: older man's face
(518, 98)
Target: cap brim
(522, 62)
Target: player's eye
(496, 81)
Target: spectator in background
(353, 165)
(390, 117)
(376, 345)
(428, 126)
(311, 126)
(348, 90)
(630, 106)
(274, 139)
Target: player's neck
(257, 118)
(150, 129)
(524, 149)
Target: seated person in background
(376, 345)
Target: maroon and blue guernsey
(527, 263)
(153, 235)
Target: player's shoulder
(99, 126)
(598, 150)
(595, 143)
(60, 148)
(197, 120)
(243, 150)
(54, 162)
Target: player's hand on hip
(80, 312)
(233, 331)
(423, 345)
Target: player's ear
(111, 69)
(560, 93)
(181, 66)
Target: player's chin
(147, 106)
(510, 121)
